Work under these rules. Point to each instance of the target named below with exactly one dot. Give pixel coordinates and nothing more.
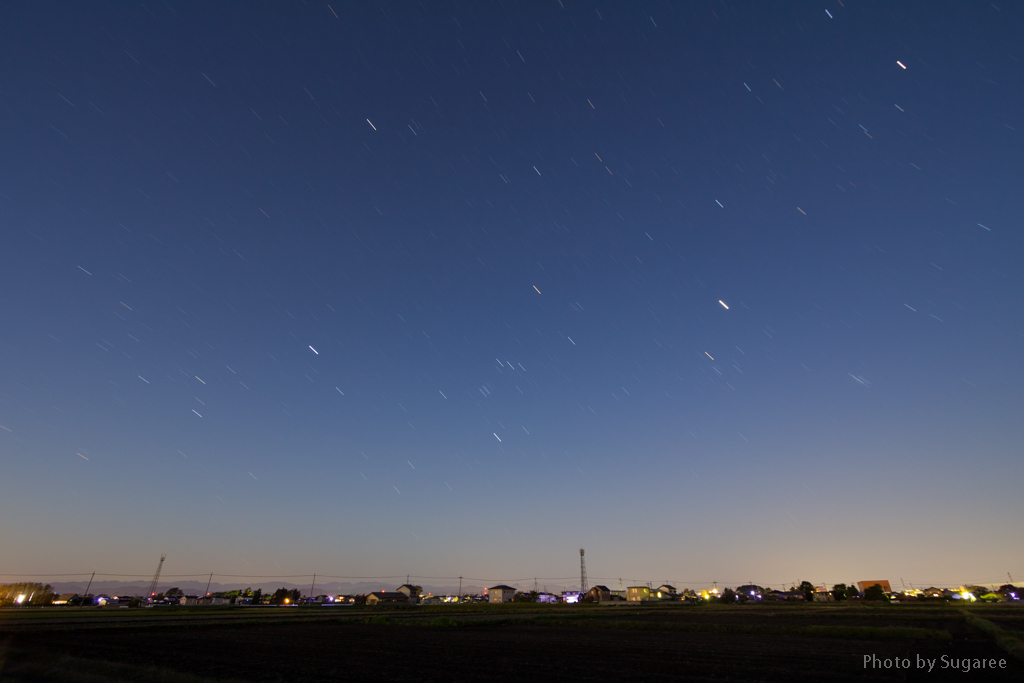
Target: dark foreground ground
(789, 643)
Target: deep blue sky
(506, 230)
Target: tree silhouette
(875, 592)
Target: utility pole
(94, 574)
(311, 587)
(208, 584)
(156, 577)
(459, 596)
(583, 573)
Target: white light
(723, 304)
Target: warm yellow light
(286, 601)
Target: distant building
(412, 591)
(547, 597)
(648, 594)
(318, 600)
(501, 593)
(387, 598)
(864, 585)
(598, 594)
(638, 593)
(65, 598)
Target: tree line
(26, 594)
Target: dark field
(508, 643)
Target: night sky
(719, 291)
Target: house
(65, 598)
(638, 594)
(501, 593)
(82, 601)
(387, 598)
(648, 594)
(547, 598)
(413, 592)
(598, 594)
